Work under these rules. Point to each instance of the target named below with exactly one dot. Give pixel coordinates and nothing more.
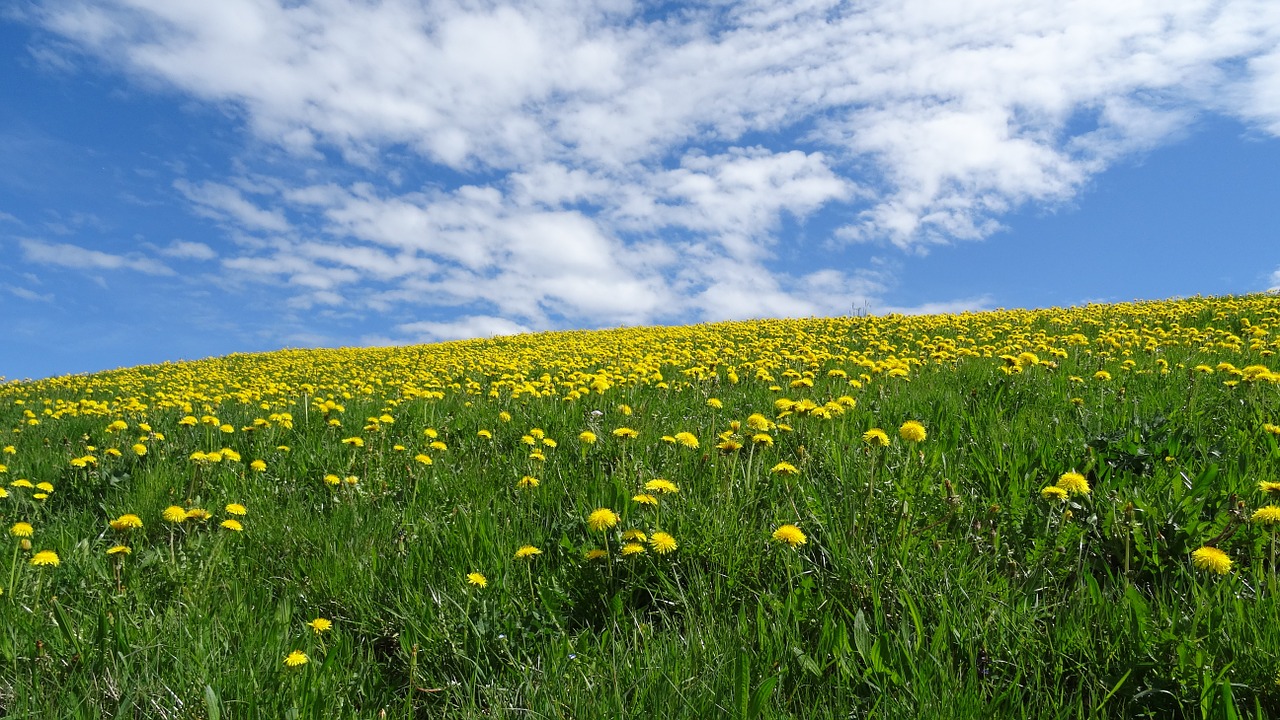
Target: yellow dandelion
(422, 458)
(596, 554)
(714, 403)
(625, 432)
(632, 548)
(232, 525)
(687, 439)
(45, 557)
(586, 437)
(174, 514)
(1211, 559)
(912, 431)
(528, 481)
(139, 449)
(127, 521)
(332, 479)
(790, 534)
(296, 658)
(1102, 375)
(1272, 429)
(1270, 487)
(1074, 483)
(320, 625)
(477, 579)
(1053, 492)
(21, 483)
(198, 514)
(602, 519)
(527, 551)
(634, 535)
(662, 543)
(119, 550)
(784, 468)
(662, 485)
(21, 529)
(644, 499)
(876, 436)
(258, 466)
(1269, 515)
(235, 509)
(764, 439)
(485, 434)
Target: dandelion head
(1053, 492)
(1211, 559)
(662, 485)
(119, 550)
(784, 468)
(46, 557)
(477, 579)
(174, 514)
(232, 525)
(912, 431)
(687, 439)
(644, 499)
(1270, 487)
(602, 519)
(1074, 483)
(528, 481)
(527, 551)
(790, 534)
(634, 535)
(632, 548)
(235, 509)
(662, 543)
(596, 554)
(21, 529)
(876, 437)
(320, 625)
(1269, 515)
(296, 658)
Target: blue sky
(181, 179)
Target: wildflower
(602, 519)
(45, 486)
(188, 421)
(174, 514)
(762, 439)
(662, 543)
(625, 432)
(258, 466)
(876, 436)
(1269, 515)
(634, 535)
(128, 521)
(527, 439)
(21, 483)
(624, 409)
(528, 481)
(687, 439)
(1269, 487)
(596, 554)
(527, 551)
(119, 549)
(422, 458)
(3, 493)
(504, 416)
(644, 499)
(45, 557)
(477, 579)
(21, 529)
(332, 479)
(1053, 492)
(714, 403)
(296, 658)
(1102, 375)
(912, 431)
(353, 441)
(235, 509)
(632, 548)
(785, 468)
(790, 534)
(351, 479)
(485, 434)
(198, 514)
(232, 525)
(1211, 559)
(1273, 429)
(759, 422)
(1074, 483)
(587, 437)
(662, 485)
(320, 625)
(728, 445)
(139, 449)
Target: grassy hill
(1051, 513)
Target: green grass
(935, 580)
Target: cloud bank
(597, 163)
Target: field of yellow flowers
(1050, 513)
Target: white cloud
(481, 326)
(31, 295)
(188, 250)
(619, 164)
(74, 256)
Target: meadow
(1057, 513)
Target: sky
(183, 179)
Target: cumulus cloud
(608, 162)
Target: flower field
(1051, 513)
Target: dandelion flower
(784, 468)
(644, 499)
(504, 416)
(235, 509)
(119, 549)
(625, 432)
(1269, 487)
(1269, 515)
(422, 458)
(527, 551)
(662, 543)
(332, 479)
(477, 579)
(22, 483)
(139, 449)
(198, 514)
(258, 466)
(632, 548)
(46, 557)
(128, 521)
(232, 525)
(714, 403)
(596, 554)
(586, 437)
(296, 658)
(1053, 492)
(687, 439)
(662, 485)
(174, 514)
(1074, 483)
(790, 534)
(320, 625)
(912, 431)
(1102, 375)
(762, 439)
(876, 436)
(485, 434)
(1270, 428)
(634, 535)
(528, 481)
(1211, 559)
(602, 519)
(21, 529)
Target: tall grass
(935, 579)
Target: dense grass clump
(1057, 513)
